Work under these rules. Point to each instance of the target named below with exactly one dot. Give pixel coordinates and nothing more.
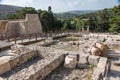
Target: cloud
(64, 5)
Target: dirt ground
(62, 73)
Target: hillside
(71, 14)
(8, 9)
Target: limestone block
(23, 58)
(99, 71)
(31, 54)
(102, 65)
(83, 59)
(96, 74)
(93, 59)
(70, 61)
(102, 48)
(95, 51)
(16, 46)
(31, 73)
(47, 69)
(14, 62)
(57, 62)
(4, 66)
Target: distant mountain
(71, 14)
(8, 9)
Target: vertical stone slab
(100, 70)
(102, 65)
(93, 59)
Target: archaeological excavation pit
(45, 60)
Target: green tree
(44, 20)
(79, 25)
(65, 26)
(20, 14)
(115, 20)
(103, 21)
(51, 19)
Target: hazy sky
(64, 5)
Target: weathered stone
(102, 39)
(23, 58)
(31, 54)
(102, 64)
(16, 48)
(95, 51)
(70, 61)
(83, 59)
(93, 59)
(96, 74)
(99, 72)
(23, 27)
(102, 48)
(4, 66)
(14, 62)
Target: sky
(64, 5)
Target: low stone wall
(7, 65)
(60, 36)
(38, 70)
(100, 64)
(51, 58)
(100, 70)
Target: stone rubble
(70, 61)
(51, 58)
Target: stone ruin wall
(30, 26)
(12, 29)
(2, 26)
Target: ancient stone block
(30, 25)
(99, 71)
(102, 48)
(83, 59)
(23, 58)
(70, 61)
(31, 54)
(14, 62)
(96, 74)
(102, 64)
(4, 66)
(95, 51)
(93, 59)
(57, 62)
(16, 46)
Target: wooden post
(2, 38)
(29, 37)
(15, 39)
(22, 39)
(8, 39)
(36, 37)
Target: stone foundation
(14, 61)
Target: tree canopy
(107, 20)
